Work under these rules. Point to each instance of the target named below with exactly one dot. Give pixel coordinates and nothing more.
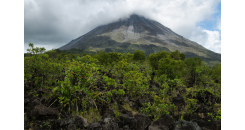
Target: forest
(120, 91)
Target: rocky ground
(40, 116)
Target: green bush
(135, 83)
(216, 73)
(139, 55)
(157, 110)
(81, 82)
(176, 55)
(154, 58)
(172, 68)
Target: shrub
(154, 58)
(139, 55)
(172, 68)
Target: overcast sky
(54, 23)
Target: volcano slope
(138, 33)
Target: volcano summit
(138, 33)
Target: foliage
(34, 51)
(192, 69)
(139, 55)
(82, 82)
(156, 109)
(218, 115)
(135, 83)
(177, 56)
(172, 68)
(216, 73)
(191, 105)
(154, 58)
(103, 57)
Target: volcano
(138, 33)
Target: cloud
(214, 41)
(57, 22)
(209, 39)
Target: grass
(92, 115)
(126, 106)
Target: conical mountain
(138, 33)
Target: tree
(193, 68)
(182, 56)
(172, 68)
(216, 73)
(103, 57)
(113, 56)
(35, 66)
(139, 55)
(154, 58)
(177, 55)
(36, 50)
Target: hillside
(138, 33)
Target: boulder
(208, 123)
(203, 108)
(34, 108)
(110, 126)
(42, 112)
(107, 120)
(29, 103)
(202, 123)
(127, 112)
(64, 123)
(125, 119)
(178, 101)
(186, 125)
(165, 122)
(126, 127)
(80, 122)
(94, 126)
(71, 127)
(142, 122)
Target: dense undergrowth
(93, 85)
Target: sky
(54, 23)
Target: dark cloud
(53, 23)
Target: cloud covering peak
(53, 23)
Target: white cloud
(209, 39)
(214, 41)
(56, 22)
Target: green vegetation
(83, 83)
(139, 55)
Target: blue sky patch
(211, 24)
